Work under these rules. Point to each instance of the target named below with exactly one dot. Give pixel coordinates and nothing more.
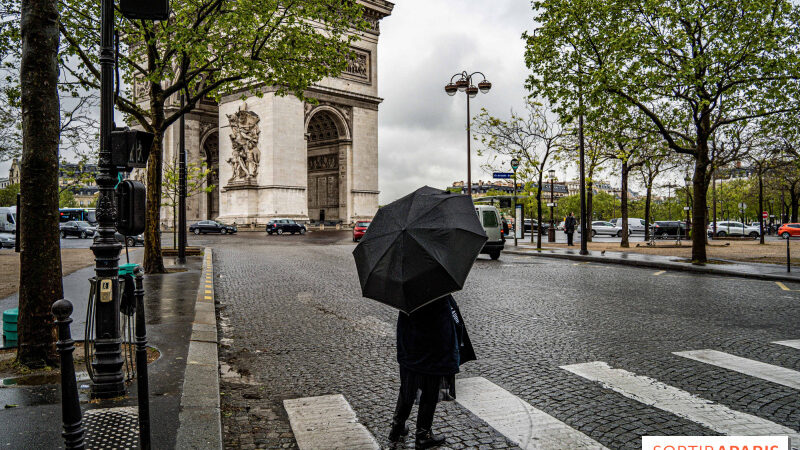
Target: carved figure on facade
(245, 155)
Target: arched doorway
(211, 152)
(327, 139)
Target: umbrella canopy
(419, 248)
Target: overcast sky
(422, 131)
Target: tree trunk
(760, 206)
(647, 200)
(153, 262)
(623, 208)
(795, 199)
(700, 188)
(40, 257)
(539, 213)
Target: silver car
(602, 227)
(729, 228)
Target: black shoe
(397, 433)
(426, 439)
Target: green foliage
(8, 195)
(196, 176)
(66, 199)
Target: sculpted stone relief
(358, 68)
(245, 157)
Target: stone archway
(328, 143)
(210, 148)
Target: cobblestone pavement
(294, 325)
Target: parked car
(663, 228)
(603, 227)
(531, 224)
(359, 230)
(789, 229)
(8, 219)
(77, 228)
(635, 225)
(211, 226)
(7, 241)
(131, 241)
(490, 220)
(729, 228)
(280, 226)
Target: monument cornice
(317, 92)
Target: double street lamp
(465, 84)
(688, 208)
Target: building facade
(274, 156)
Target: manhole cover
(112, 428)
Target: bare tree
(535, 139)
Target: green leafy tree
(66, 199)
(693, 68)
(8, 195)
(535, 139)
(206, 47)
(196, 176)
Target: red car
(359, 230)
(789, 229)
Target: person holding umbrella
(417, 251)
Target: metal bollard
(70, 405)
(141, 364)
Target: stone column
(346, 181)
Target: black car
(131, 241)
(663, 228)
(77, 228)
(211, 226)
(280, 226)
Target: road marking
(517, 420)
(208, 297)
(793, 344)
(768, 372)
(327, 422)
(660, 272)
(581, 263)
(679, 402)
(786, 288)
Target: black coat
(428, 339)
(569, 224)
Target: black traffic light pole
(182, 190)
(108, 381)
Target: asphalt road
(294, 325)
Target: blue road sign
(503, 175)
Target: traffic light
(145, 9)
(130, 148)
(131, 196)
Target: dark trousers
(569, 237)
(410, 382)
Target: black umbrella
(419, 248)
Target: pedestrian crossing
(327, 422)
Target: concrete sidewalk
(728, 268)
(30, 416)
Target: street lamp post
(464, 84)
(669, 187)
(515, 166)
(551, 230)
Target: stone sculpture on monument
(245, 155)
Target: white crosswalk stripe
(327, 422)
(652, 392)
(517, 420)
(794, 343)
(768, 372)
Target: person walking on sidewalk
(428, 342)
(569, 227)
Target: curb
(658, 265)
(200, 424)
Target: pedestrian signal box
(131, 202)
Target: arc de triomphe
(280, 157)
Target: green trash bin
(10, 324)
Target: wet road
(294, 325)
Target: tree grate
(112, 428)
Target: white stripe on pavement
(679, 402)
(518, 421)
(794, 344)
(327, 422)
(768, 372)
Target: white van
(8, 219)
(490, 220)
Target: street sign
(764, 214)
(519, 222)
(551, 205)
(501, 175)
(742, 205)
(686, 208)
